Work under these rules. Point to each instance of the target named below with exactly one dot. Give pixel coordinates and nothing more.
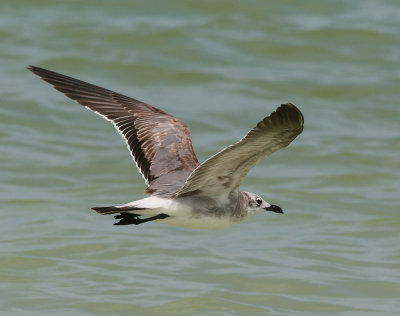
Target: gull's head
(256, 204)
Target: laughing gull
(182, 191)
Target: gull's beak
(274, 208)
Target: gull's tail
(147, 206)
(106, 210)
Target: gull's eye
(258, 201)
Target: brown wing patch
(159, 143)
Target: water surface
(220, 67)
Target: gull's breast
(200, 222)
(197, 216)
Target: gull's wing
(159, 143)
(224, 172)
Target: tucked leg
(133, 219)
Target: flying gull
(182, 191)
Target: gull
(182, 191)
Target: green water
(220, 66)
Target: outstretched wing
(224, 172)
(159, 143)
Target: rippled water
(220, 67)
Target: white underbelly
(181, 214)
(200, 222)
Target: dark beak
(274, 208)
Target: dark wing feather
(225, 171)
(159, 143)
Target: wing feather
(159, 143)
(225, 171)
